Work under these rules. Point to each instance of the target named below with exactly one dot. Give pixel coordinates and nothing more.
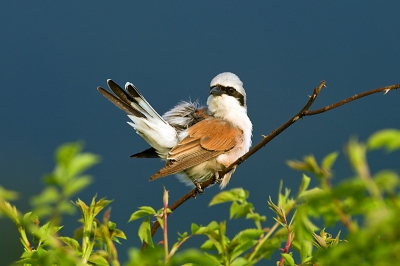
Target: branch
(266, 139)
(353, 98)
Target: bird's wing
(205, 140)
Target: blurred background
(54, 55)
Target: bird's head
(227, 95)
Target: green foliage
(42, 244)
(388, 139)
(66, 180)
(352, 223)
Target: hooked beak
(215, 91)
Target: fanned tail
(146, 121)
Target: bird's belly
(204, 171)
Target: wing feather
(205, 140)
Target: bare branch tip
(322, 85)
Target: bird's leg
(218, 179)
(221, 179)
(198, 187)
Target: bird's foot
(198, 187)
(218, 178)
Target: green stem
(263, 240)
(24, 239)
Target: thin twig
(266, 139)
(353, 98)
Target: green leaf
(76, 185)
(70, 163)
(312, 164)
(387, 180)
(44, 234)
(148, 257)
(240, 247)
(249, 234)
(309, 164)
(268, 247)
(81, 162)
(298, 165)
(66, 152)
(193, 228)
(208, 245)
(305, 182)
(236, 194)
(288, 259)
(98, 260)
(99, 205)
(314, 193)
(71, 243)
(145, 232)
(212, 226)
(256, 217)
(244, 241)
(120, 234)
(329, 160)
(11, 211)
(305, 249)
(182, 236)
(82, 206)
(357, 155)
(160, 220)
(303, 229)
(222, 197)
(239, 262)
(7, 194)
(30, 217)
(278, 211)
(233, 209)
(354, 188)
(111, 225)
(142, 212)
(49, 195)
(195, 257)
(66, 207)
(240, 210)
(387, 138)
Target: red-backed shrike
(196, 142)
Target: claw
(198, 187)
(218, 179)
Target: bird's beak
(215, 91)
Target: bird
(195, 141)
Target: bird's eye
(230, 90)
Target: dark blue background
(54, 55)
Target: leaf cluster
(352, 223)
(42, 244)
(365, 207)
